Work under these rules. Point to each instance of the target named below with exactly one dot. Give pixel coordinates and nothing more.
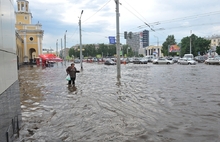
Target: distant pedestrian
(71, 70)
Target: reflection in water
(150, 103)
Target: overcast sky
(165, 17)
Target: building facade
(10, 109)
(31, 34)
(154, 50)
(215, 41)
(138, 41)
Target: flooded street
(151, 103)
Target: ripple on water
(149, 103)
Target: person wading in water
(71, 70)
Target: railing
(13, 129)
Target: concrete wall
(10, 110)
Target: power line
(188, 26)
(97, 11)
(184, 18)
(138, 18)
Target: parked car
(188, 56)
(212, 61)
(76, 61)
(175, 59)
(150, 58)
(200, 59)
(186, 61)
(162, 61)
(140, 61)
(109, 62)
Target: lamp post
(157, 44)
(80, 37)
(127, 51)
(190, 41)
(65, 47)
(61, 46)
(57, 48)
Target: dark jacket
(71, 71)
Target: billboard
(174, 48)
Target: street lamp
(190, 41)
(127, 51)
(57, 48)
(157, 40)
(157, 44)
(65, 47)
(80, 37)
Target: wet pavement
(150, 103)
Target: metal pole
(157, 44)
(80, 37)
(61, 44)
(65, 47)
(190, 40)
(57, 48)
(118, 41)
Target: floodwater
(150, 103)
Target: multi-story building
(215, 40)
(10, 109)
(31, 34)
(138, 41)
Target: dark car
(200, 59)
(109, 62)
(76, 61)
(140, 61)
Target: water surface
(150, 103)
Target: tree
(198, 45)
(169, 41)
(71, 52)
(218, 50)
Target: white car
(212, 61)
(162, 61)
(186, 61)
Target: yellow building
(31, 34)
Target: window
(25, 17)
(31, 38)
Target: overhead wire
(91, 16)
(138, 16)
(181, 18)
(96, 11)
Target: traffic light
(130, 35)
(125, 34)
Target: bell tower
(32, 34)
(23, 10)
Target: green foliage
(198, 44)
(169, 41)
(218, 50)
(90, 50)
(141, 55)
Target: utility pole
(190, 41)
(57, 47)
(80, 37)
(118, 41)
(61, 44)
(65, 47)
(157, 45)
